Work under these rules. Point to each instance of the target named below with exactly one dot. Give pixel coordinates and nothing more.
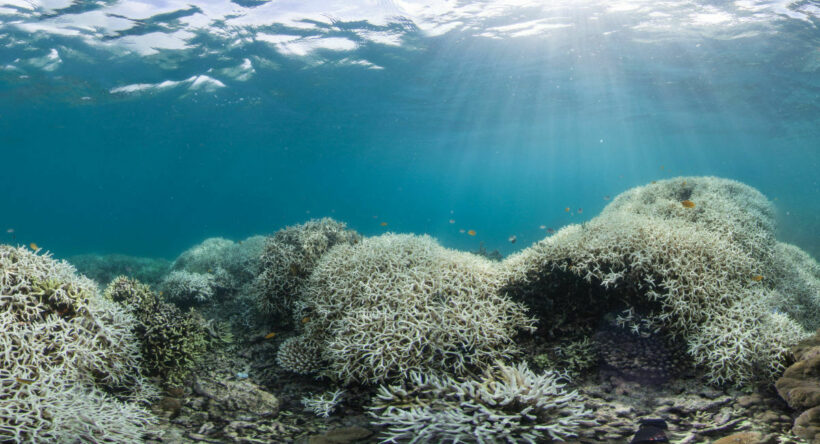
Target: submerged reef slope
(69, 367)
(397, 303)
(289, 257)
(694, 258)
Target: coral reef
(289, 257)
(507, 404)
(233, 264)
(300, 355)
(172, 342)
(70, 361)
(185, 288)
(323, 404)
(397, 303)
(699, 272)
(103, 269)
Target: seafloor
(676, 304)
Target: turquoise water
(143, 127)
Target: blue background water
(499, 134)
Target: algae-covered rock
(243, 400)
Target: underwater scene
(404, 221)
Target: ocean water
(144, 126)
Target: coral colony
(682, 276)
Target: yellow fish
(306, 319)
(34, 246)
(757, 278)
(688, 204)
(384, 224)
(471, 232)
(270, 335)
(24, 380)
(566, 210)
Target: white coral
(184, 287)
(508, 404)
(323, 404)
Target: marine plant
(289, 257)
(172, 342)
(396, 303)
(704, 273)
(70, 362)
(506, 404)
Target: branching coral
(397, 303)
(69, 366)
(698, 273)
(300, 355)
(323, 404)
(289, 257)
(186, 288)
(508, 404)
(172, 342)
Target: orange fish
(384, 224)
(306, 319)
(34, 246)
(688, 204)
(757, 278)
(471, 232)
(270, 335)
(566, 210)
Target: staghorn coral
(289, 257)
(508, 404)
(694, 273)
(172, 342)
(325, 403)
(185, 288)
(398, 303)
(300, 355)
(69, 367)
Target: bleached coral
(323, 404)
(698, 273)
(186, 288)
(299, 355)
(233, 264)
(397, 303)
(65, 349)
(289, 257)
(508, 404)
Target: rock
(750, 400)
(807, 425)
(243, 399)
(342, 435)
(741, 438)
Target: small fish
(580, 210)
(210, 270)
(661, 166)
(270, 335)
(543, 227)
(452, 221)
(24, 380)
(688, 204)
(306, 319)
(566, 210)
(242, 375)
(757, 278)
(161, 293)
(10, 231)
(654, 182)
(607, 197)
(462, 231)
(550, 230)
(33, 246)
(471, 232)
(512, 239)
(684, 183)
(384, 224)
